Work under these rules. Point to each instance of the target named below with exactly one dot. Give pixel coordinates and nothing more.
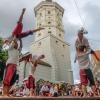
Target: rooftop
(98, 55)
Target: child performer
(32, 61)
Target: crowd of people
(50, 89)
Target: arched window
(49, 12)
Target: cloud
(92, 12)
(9, 14)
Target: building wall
(57, 55)
(61, 54)
(43, 72)
(42, 46)
(96, 65)
(20, 69)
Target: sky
(86, 13)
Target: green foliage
(1, 43)
(40, 81)
(3, 54)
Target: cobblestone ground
(50, 98)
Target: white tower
(50, 42)
(49, 15)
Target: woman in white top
(13, 58)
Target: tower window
(49, 0)
(39, 24)
(62, 55)
(39, 44)
(39, 34)
(56, 41)
(49, 12)
(49, 31)
(60, 35)
(63, 45)
(49, 22)
(40, 14)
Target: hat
(82, 30)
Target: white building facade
(50, 42)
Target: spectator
(55, 90)
(44, 90)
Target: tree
(3, 58)
(3, 54)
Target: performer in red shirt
(19, 27)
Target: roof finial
(49, 0)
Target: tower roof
(48, 3)
(97, 53)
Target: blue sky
(89, 11)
